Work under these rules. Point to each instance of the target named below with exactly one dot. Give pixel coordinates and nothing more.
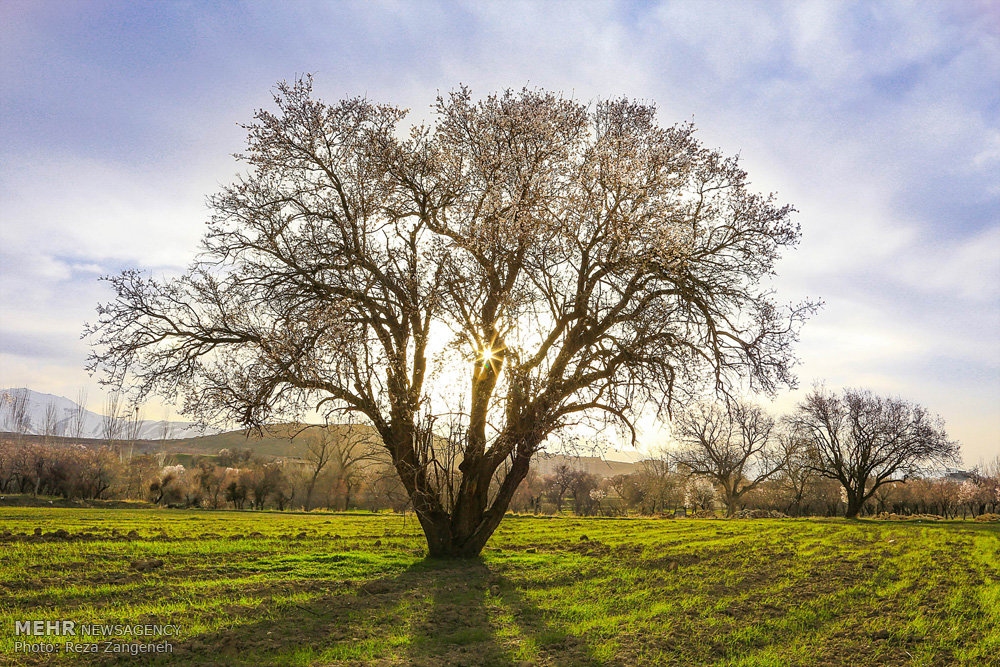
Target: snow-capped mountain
(92, 423)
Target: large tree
(863, 440)
(733, 445)
(526, 262)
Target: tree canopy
(523, 263)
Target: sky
(879, 121)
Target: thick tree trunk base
(463, 533)
(444, 544)
(852, 511)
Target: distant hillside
(279, 441)
(545, 464)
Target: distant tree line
(849, 454)
(232, 479)
(237, 479)
(660, 487)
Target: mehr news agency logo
(63, 628)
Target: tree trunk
(464, 532)
(310, 490)
(854, 505)
(730, 506)
(347, 497)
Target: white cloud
(967, 269)
(89, 211)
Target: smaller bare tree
(733, 445)
(700, 494)
(662, 488)
(166, 429)
(131, 430)
(212, 481)
(357, 447)
(111, 420)
(78, 418)
(17, 411)
(341, 449)
(864, 441)
(559, 482)
(799, 474)
(319, 451)
(51, 425)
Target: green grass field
(304, 589)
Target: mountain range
(92, 425)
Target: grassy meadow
(307, 589)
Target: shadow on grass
(433, 613)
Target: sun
(489, 355)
